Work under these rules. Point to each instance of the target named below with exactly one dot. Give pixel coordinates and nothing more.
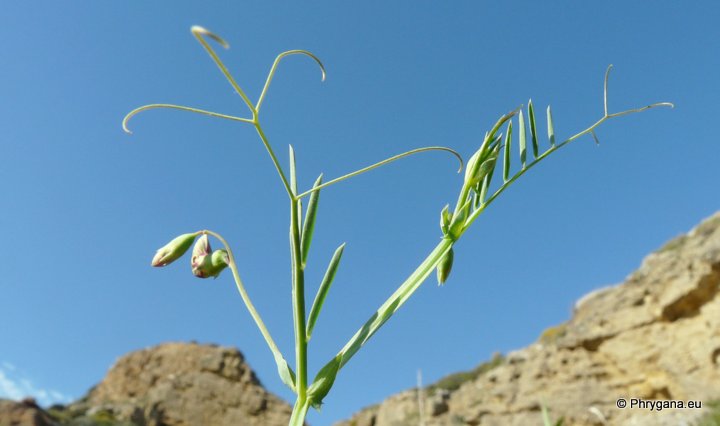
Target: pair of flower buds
(205, 262)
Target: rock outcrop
(23, 413)
(179, 384)
(656, 337)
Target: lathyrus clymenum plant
(476, 194)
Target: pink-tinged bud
(205, 262)
(202, 248)
(173, 250)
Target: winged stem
(298, 295)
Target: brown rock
(23, 413)
(178, 384)
(655, 337)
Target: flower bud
(479, 166)
(444, 267)
(205, 262)
(173, 250)
(457, 221)
(201, 248)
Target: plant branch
(297, 418)
(394, 302)
(412, 283)
(274, 159)
(589, 130)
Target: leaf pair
(308, 230)
(326, 376)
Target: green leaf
(293, 176)
(508, 142)
(545, 416)
(522, 140)
(309, 224)
(482, 187)
(323, 290)
(287, 375)
(323, 382)
(533, 129)
(488, 166)
(551, 128)
(496, 155)
(471, 169)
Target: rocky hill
(655, 337)
(174, 384)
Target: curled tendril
(384, 162)
(629, 111)
(199, 33)
(198, 30)
(132, 113)
(271, 74)
(605, 88)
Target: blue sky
(85, 206)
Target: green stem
(299, 412)
(273, 158)
(462, 198)
(395, 301)
(246, 299)
(298, 293)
